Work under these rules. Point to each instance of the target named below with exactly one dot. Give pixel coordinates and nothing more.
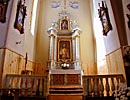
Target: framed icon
(3, 10)
(20, 16)
(128, 16)
(104, 17)
(64, 50)
(64, 25)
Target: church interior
(64, 49)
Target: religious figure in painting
(64, 52)
(64, 25)
(128, 16)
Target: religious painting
(128, 16)
(64, 50)
(104, 17)
(64, 24)
(3, 10)
(20, 16)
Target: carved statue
(54, 24)
(127, 55)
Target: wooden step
(66, 90)
(55, 91)
(64, 97)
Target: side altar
(64, 62)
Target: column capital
(76, 32)
(52, 31)
(76, 29)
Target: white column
(55, 48)
(55, 51)
(74, 54)
(52, 48)
(77, 45)
(51, 54)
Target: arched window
(33, 19)
(100, 47)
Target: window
(33, 19)
(100, 47)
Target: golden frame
(64, 50)
(64, 24)
(20, 16)
(104, 17)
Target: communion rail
(24, 85)
(101, 85)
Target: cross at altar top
(64, 4)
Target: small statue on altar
(54, 24)
(75, 24)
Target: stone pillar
(52, 49)
(77, 48)
(55, 51)
(74, 54)
(76, 51)
(55, 48)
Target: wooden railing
(28, 85)
(101, 85)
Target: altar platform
(65, 81)
(65, 77)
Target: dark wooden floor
(99, 98)
(4, 97)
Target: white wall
(26, 40)
(4, 26)
(111, 41)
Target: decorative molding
(71, 4)
(74, 5)
(55, 4)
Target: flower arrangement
(122, 92)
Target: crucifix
(64, 4)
